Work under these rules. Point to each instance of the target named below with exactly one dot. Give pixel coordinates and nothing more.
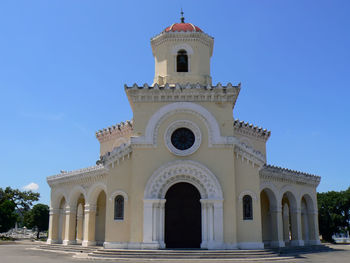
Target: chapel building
(183, 173)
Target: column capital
(211, 201)
(151, 202)
(90, 208)
(295, 210)
(70, 210)
(54, 211)
(276, 209)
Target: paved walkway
(15, 253)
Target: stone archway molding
(151, 131)
(183, 171)
(210, 189)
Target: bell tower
(182, 55)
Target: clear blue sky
(63, 65)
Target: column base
(277, 243)
(87, 243)
(51, 241)
(68, 242)
(215, 245)
(251, 245)
(297, 243)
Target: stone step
(186, 254)
(302, 249)
(167, 254)
(69, 248)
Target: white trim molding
(247, 192)
(183, 124)
(179, 171)
(151, 131)
(183, 46)
(118, 192)
(211, 193)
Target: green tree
(38, 217)
(333, 210)
(13, 205)
(8, 216)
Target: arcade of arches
(183, 173)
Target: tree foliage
(334, 212)
(13, 205)
(38, 217)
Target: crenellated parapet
(248, 129)
(122, 129)
(183, 92)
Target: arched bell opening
(183, 228)
(182, 61)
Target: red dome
(184, 27)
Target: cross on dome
(182, 16)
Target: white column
(155, 221)
(313, 223)
(204, 243)
(161, 223)
(218, 223)
(69, 238)
(297, 239)
(89, 225)
(53, 226)
(276, 226)
(305, 227)
(147, 220)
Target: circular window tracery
(182, 137)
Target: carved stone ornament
(183, 171)
(183, 124)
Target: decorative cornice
(183, 93)
(118, 153)
(183, 37)
(115, 131)
(81, 175)
(246, 128)
(274, 173)
(249, 153)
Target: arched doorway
(183, 217)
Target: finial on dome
(182, 16)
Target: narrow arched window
(247, 208)
(119, 207)
(182, 61)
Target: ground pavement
(26, 252)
